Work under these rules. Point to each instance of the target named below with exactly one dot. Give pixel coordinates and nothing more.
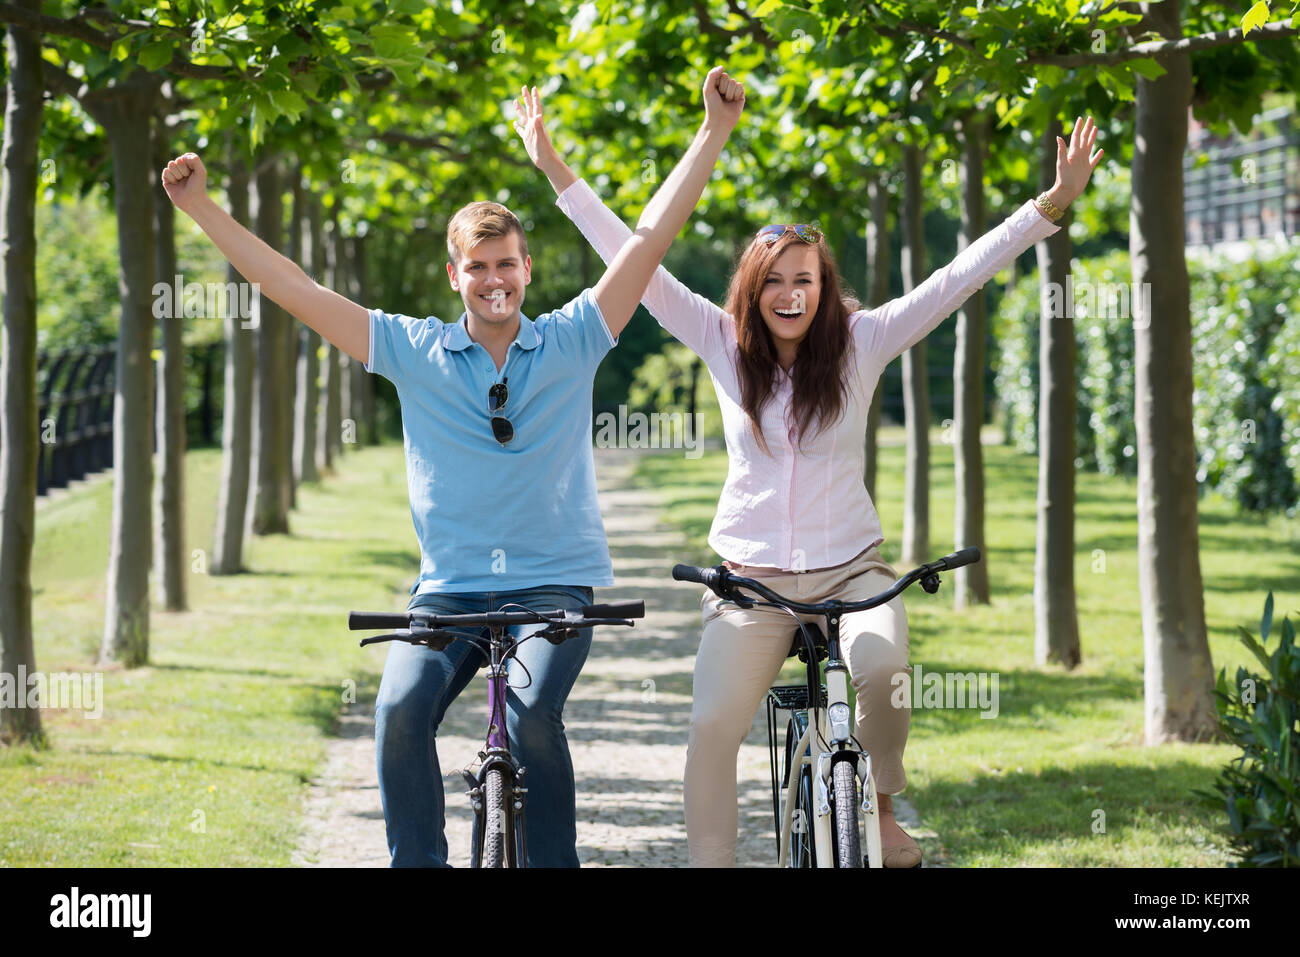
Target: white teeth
(789, 314)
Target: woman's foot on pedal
(897, 849)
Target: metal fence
(75, 388)
(1238, 188)
(75, 414)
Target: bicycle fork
(837, 729)
(497, 754)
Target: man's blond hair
(481, 221)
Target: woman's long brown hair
(820, 370)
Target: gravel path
(626, 721)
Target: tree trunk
(877, 294)
(169, 419)
(1056, 620)
(364, 381)
(349, 394)
(292, 336)
(970, 582)
(328, 438)
(18, 410)
(916, 386)
(237, 414)
(273, 463)
(307, 394)
(1179, 673)
(125, 113)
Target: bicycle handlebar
(720, 580)
(363, 620)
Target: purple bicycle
(497, 790)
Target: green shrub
(1241, 311)
(1245, 367)
(1260, 790)
(1105, 436)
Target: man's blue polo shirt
(493, 518)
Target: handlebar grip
(617, 609)
(689, 573)
(711, 578)
(361, 620)
(967, 556)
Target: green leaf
(394, 41)
(766, 7)
(288, 103)
(1267, 621)
(1256, 16)
(154, 56)
(1147, 67)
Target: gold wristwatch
(1054, 213)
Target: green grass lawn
(1064, 757)
(200, 758)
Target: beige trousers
(740, 655)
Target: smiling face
(491, 277)
(790, 295)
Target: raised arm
(635, 261)
(689, 317)
(902, 323)
(338, 319)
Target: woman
(795, 370)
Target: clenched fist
(185, 180)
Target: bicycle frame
(830, 724)
(497, 753)
(432, 631)
(817, 725)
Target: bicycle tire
(497, 830)
(802, 838)
(848, 845)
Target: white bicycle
(825, 776)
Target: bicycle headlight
(839, 717)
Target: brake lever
(731, 592)
(434, 638)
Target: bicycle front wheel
(497, 830)
(848, 845)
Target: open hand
(185, 180)
(531, 126)
(724, 98)
(1075, 162)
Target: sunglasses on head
(809, 234)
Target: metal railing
(74, 414)
(1239, 188)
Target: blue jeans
(417, 686)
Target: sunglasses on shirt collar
(498, 395)
(770, 234)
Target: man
(496, 415)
